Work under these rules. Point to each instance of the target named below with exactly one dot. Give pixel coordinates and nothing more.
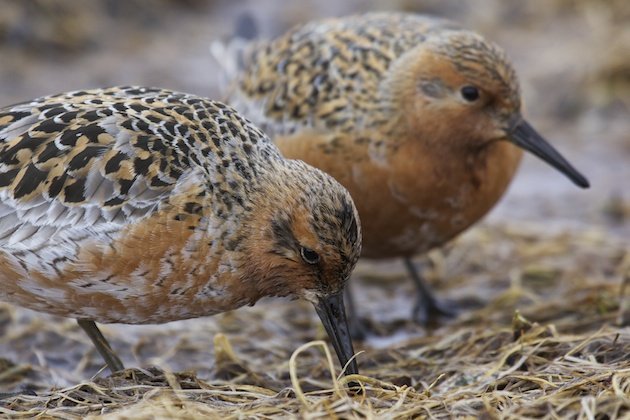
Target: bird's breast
(422, 201)
(409, 199)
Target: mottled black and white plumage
(84, 173)
(332, 74)
(142, 205)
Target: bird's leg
(358, 329)
(6, 395)
(427, 306)
(113, 362)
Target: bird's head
(305, 241)
(462, 89)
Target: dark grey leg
(358, 329)
(113, 362)
(5, 395)
(427, 306)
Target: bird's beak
(332, 312)
(523, 135)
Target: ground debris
(528, 347)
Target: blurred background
(573, 58)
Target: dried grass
(547, 341)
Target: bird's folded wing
(83, 163)
(324, 75)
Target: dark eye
(309, 255)
(470, 93)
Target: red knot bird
(420, 119)
(141, 205)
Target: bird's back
(101, 191)
(325, 75)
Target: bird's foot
(25, 391)
(360, 328)
(427, 311)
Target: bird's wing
(88, 161)
(324, 75)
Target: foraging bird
(418, 118)
(140, 205)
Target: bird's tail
(230, 55)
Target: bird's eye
(309, 255)
(470, 93)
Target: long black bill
(332, 312)
(523, 135)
